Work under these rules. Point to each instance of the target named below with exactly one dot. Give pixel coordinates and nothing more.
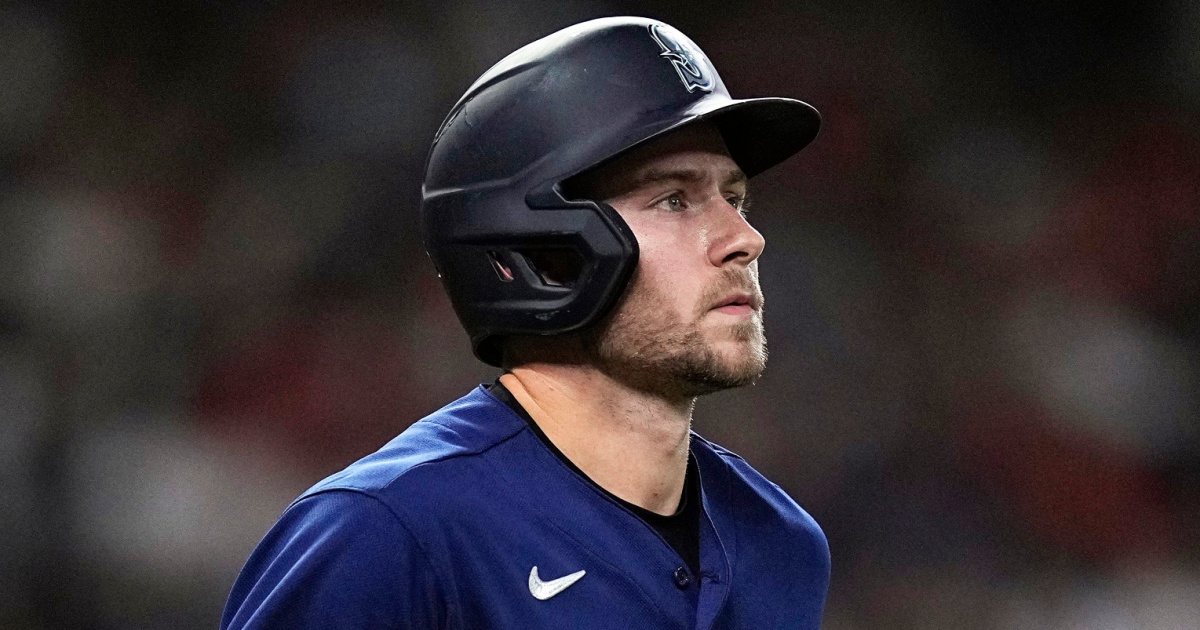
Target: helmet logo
(685, 57)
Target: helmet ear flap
(554, 266)
(615, 244)
(560, 276)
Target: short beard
(646, 350)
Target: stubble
(653, 349)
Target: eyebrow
(687, 175)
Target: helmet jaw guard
(496, 289)
(551, 110)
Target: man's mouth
(737, 304)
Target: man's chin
(707, 359)
(702, 371)
(712, 381)
(730, 366)
(738, 351)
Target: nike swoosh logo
(545, 590)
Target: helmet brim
(758, 132)
(762, 132)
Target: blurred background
(983, 286)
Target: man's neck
(632, 444)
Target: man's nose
(735, 240)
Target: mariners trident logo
(685, 57)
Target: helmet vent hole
(555, 266)
(502, 270)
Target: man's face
(691, 321)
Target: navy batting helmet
(493, 209)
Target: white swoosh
(545, 590)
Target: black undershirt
(681, 530)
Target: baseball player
(584, 207)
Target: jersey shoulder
(441, 445)
(353, 550)
(751, 489)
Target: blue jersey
(467, 520)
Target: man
(584, 205)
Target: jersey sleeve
(336, 559)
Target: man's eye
(674, 203)
(740, 202)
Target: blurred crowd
(982, 280)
